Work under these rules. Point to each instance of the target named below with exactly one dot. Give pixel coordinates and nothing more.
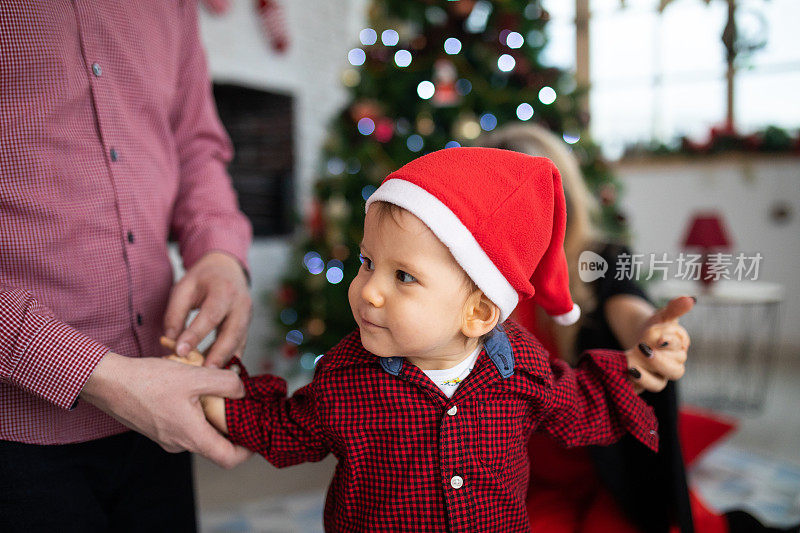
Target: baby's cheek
(353, 292)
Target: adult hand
(161, 400)
(661, 353)
(216, 285)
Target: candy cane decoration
(274, 23)
(217, 7)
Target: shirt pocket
(502, 427)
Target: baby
(429, 404)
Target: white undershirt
(449, 379)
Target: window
(661, 76)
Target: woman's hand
(661, 353)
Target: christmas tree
(424, 76)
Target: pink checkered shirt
(109, 143)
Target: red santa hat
(501, 214)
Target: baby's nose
(372, 293)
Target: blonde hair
(582, 210)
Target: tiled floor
(757, 468)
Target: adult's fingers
(181, 301)
(674, 309)
(665, 366)
(212, 312)
(647, 380)
(216, 382)
(213, 446)
(231, 334)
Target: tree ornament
(467, 127)
(425, 124)
(316, 222)
(340, 252)
(445, 76)
(461, 8)
(286, 295)
(337, 208)
(384, 130)
(316, 327)
(365, 109)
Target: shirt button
(139, 319)
(97, 70)
(130, 237)
(452, 411)
(456, 482)
(114, 154)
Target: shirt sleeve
(286, 431)
(206, 216)
(595, 404)
(40, 354)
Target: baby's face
(408, 297)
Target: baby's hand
(213, 406)
(662, 350)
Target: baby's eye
(405, 277)
(366, 261)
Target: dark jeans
(120, 483)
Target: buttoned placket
(496, 363)
(101, 74)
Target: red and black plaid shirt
(109, 139)
(410, 459)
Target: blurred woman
(623, 487)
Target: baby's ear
(480, 315)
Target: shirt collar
(508, 348)
(497, 347)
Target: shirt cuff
(242, 415)
(56, 363)
(631, 410)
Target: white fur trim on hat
(569, 318)
(454, 234)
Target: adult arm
(212, 233)
(41, 354)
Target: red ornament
(316, 222)
(384, 130)
(461, 8)
(286, 295)
(445, 76)
(365, 109)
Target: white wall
(661, 195)
(321, 32)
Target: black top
(649, 487)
